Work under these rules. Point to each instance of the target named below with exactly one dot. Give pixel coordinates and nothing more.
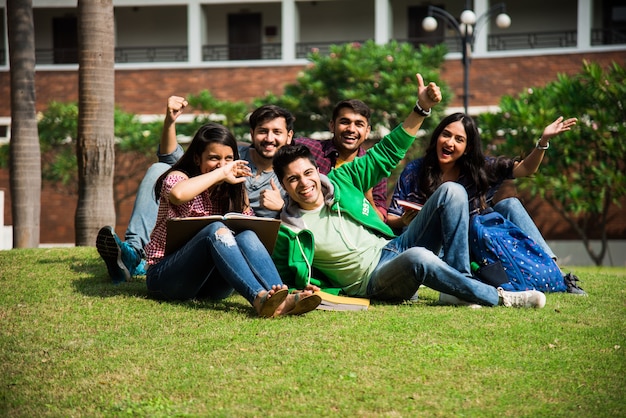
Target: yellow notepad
(332, 302)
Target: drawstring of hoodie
(306, 260)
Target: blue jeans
(411, 259)
(513, 210)
(146, 207)
(212, 264)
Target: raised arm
(175, 106)
(530, 164)
(379, 161)
(427, 97)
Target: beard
(263, 152)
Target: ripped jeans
(213, 264)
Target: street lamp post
(466, 30)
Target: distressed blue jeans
(411, 259)
(146, 207)
(212, 264)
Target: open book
(181, 230)
(332, 302)
(409, 205)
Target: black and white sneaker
(571, 281)
(109, 248)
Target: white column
(382, 22)
(6, 232)
(480, 43)
(6, 37)
(584, 24)
(2, 246)
(289, 32)
(194, 31)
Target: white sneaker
(525, 299)
(446, 299)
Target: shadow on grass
(95, 282)
(229, 304)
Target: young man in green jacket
(332, 237)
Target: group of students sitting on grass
(337, 233)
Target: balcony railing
(234, 52)
(607, 37)
(507, 42)
(535, 40)
(122, 54)
(303, 49)
(152, 54)
(56, 56)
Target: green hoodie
(343, 191)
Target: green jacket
(343, 191)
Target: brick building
(240, 50)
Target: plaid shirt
(206, 203)
(325, 153)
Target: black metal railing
(607, 37)
(453, 44)
(273, 51)
(303, 49)
(122, 55)
(534, 40)
(56, 56)
(507, 42)
(151, 54)
(236, 52)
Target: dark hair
(270, 112)
(288, 154)
(211, 133)
(356, 106)
(471, 163)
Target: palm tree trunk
(96, 101)
(24, 152)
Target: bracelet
(420, 111)
(541, 147)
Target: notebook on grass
(332, 302)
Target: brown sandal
(269, 303)
(305, 303)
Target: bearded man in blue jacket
(332, 237)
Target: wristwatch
(420, 111)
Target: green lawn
(72, 344)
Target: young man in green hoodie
(333, 238)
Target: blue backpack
(494, 239)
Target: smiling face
(215, 155)
(270, 135)
(451, 144)
(350, 130)
(302, 183)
